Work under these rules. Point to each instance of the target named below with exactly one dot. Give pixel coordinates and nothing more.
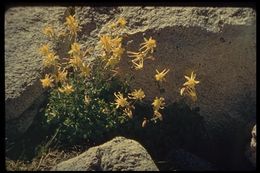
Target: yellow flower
(136, 55)
(72, 24)
(182, 90)
(121, 22)
(139, 65)
(116, 42)
(157, 114)
(118, 52)
(62, 75)
(148, 45)
(158, 103)
(191, 80)
(75, 62)
(50, 60)
(66, 89)
(48, 31)
(85, 70)
(44, 49)
(128, 112)
(120, 100)
(109, 44)
(189, 87)
(137, 94)
(106, 42)
(75, 49)
(190, 91)
(160, 76)
(47, 81)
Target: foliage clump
(87, 97)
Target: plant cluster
(87, 96)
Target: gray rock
(119, 154)
(219, 44)
(253, 139)
(183, 160)
(222, 55)
(251, 149)
(23, 64)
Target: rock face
(119, 154)
(183, 160)
(219, 44)
(23, 64)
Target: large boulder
(183, 160)
(119, 154)
(23, 64)
(219, 44)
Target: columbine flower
(120, 100)
(72, 24)
(191, 80)
(47, 81)
(182, 90)
(75, 62)
(116, 42)
(158, 103)
(50, 60)
(138, 60)
(121, 22)
(136, 55)
(190, 91)
(48, 31)
(85, 70)
(106, 42)
(75, 49)
(137, 94)
(160, 76)
(189, 87)
(148, 45)
(44, 49)
(128, 112)
(157, 114)
(62, 75)
(139, 65)
(66, 89)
